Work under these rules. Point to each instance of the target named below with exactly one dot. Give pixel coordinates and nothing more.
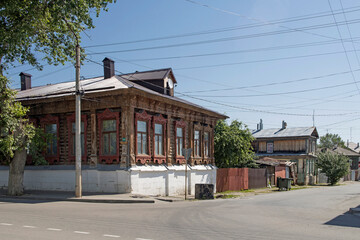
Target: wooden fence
(236, 179)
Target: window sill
(143, 159)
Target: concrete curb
(75, 199)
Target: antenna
(313, 118)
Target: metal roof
(99, 84)
(354, 146)
(286, 132)
(341, 150)
(148, 75)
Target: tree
(233, 145)
(334, 165)
(331, 140)
(29, 31)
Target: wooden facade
(113, 116)
(297, 145)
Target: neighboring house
(297, 145)
(133, 133)
(356, 148)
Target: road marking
(6, 224)
(54, 229)
(25, 226)
(81, 232)
(112, 236)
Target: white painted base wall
(170, 181)
(145, 180)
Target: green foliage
(48, 27)
(16, 131)
(335, 166)
(233, 145)
(38, 146)
(330, 140)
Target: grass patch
(240, 191)
(226, 196)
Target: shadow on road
(345, 220)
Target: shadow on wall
(345, 220)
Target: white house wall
(145, 180)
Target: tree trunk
(16, 173)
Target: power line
(273, 83)
(282, 93)
(259, 20)
(343, 45)
(261, 60)
(219, 30)
(281, 47)
(256, 35)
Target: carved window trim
(179, 159)
(208, 159)
(143, 158)
(108, 115)
(50, 119)
(163, 121)
(71, 119)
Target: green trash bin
(284, 183)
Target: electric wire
(256, 35)
(345, 51)
(220, 30)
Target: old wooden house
(297, 145)
(133, 133)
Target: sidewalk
(70, 197)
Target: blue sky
(281, 59)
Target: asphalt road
(317, 213)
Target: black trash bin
(284, 183)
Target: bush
(335, 166)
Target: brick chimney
(25, 79)
(259, 126)
(109, 68)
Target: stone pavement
(87, 197)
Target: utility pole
(78, 185)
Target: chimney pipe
(25, 80)
(284, 125)
(109, 68)
(261, 125)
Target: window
(159, 146)
(50, 124)
(142, 137)
(179, 141)
(158, 132)
(197, 143)
(108, 137)
(51, 142)
(206, 144)
(269, 147)
(71, 137)
(142, 140)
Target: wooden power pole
(78, 185)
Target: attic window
(269, 147)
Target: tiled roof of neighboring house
(341, 150)
(354, 146)
(285, 132)
(99, 84)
